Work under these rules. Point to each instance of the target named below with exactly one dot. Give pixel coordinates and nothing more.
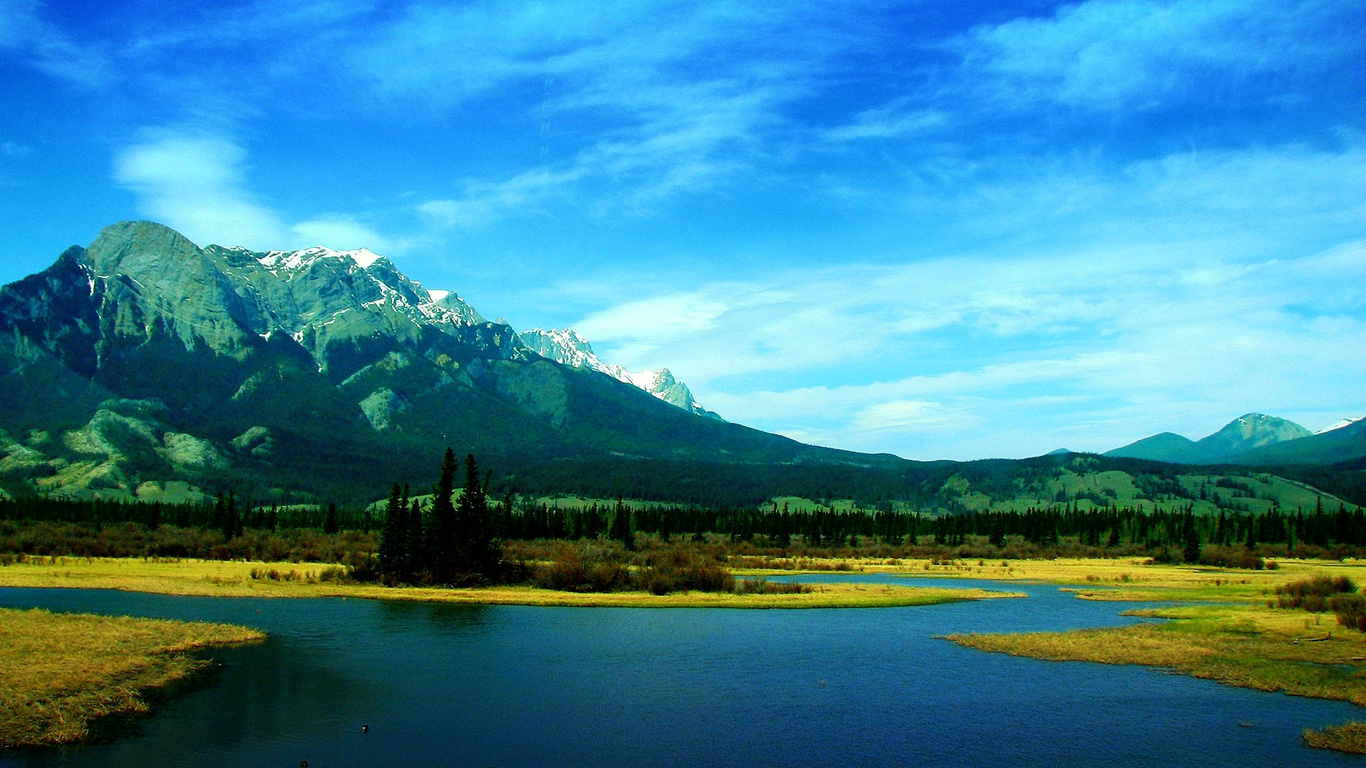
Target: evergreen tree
(415, 554)
(330, 524)
(621, 526)
(393, 535)
(1191, 552)
(476, 551)
(441, 540)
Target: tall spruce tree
(415, 554)
(621, 525)
(478, 553)
(442, 540)
(1191, 552)
(393, 535)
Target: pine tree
(330, 524)
(414, 554)
(476, 550)
(441, 540)
(1192, 548)
(392, 536)
(621, 526)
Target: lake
(449, 685)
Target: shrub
(1312, 594)
(1350, 610)
(1231, 557)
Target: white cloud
(47, 48)
(891, 121)
(655, 321)
(14, 150)
(1107, 54)
(341, 233)
(1179, 311)
(195, 184)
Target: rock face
(567, 347)
(145, 360)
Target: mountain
(144, 363)
(1334, 446)
(567, 347)
(1164, 446)
(1339, 424)
(1252, 438)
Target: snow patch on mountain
(1340, 424)
(567, 347)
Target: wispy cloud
(1108, 54)
(1162, 322)
(195, 183)
(25, 32)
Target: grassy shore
(58, 672)
(1228, 634)
(236, 579)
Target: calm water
(443, 685)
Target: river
(450, 685)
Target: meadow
(59, 673)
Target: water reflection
(521, 686)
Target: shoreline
(64, 673)
(213, 578)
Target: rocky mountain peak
(567, 347)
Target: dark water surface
(447, 685)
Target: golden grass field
(1228, 634)
(60, 671)
(215, 578)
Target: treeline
(130, 539)
(822, 527)
(228, 513)
(451, 537)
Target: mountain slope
(567, 347)
(1248, 432)
(1328, 447)
(1164, 446)
(146, 358)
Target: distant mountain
(1164, 446)
(1244, 433)
(145, 361)
(567, 347)
(1340, 424)
(1333, 446)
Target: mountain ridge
(1254, 439)
(143, 351)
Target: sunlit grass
(1230, 632)
(58, 672)
(234, 579)
(1348, 737)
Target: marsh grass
(60, 672)
(1348, 737)
(233, 579)
(1249, 646)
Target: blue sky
(938, 229)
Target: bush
(585, 567)
(1231, 557)
(1313, 594)
(683, 569)
(1350, 610)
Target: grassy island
(214, 578)
(1232, 630)
(60, 672)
